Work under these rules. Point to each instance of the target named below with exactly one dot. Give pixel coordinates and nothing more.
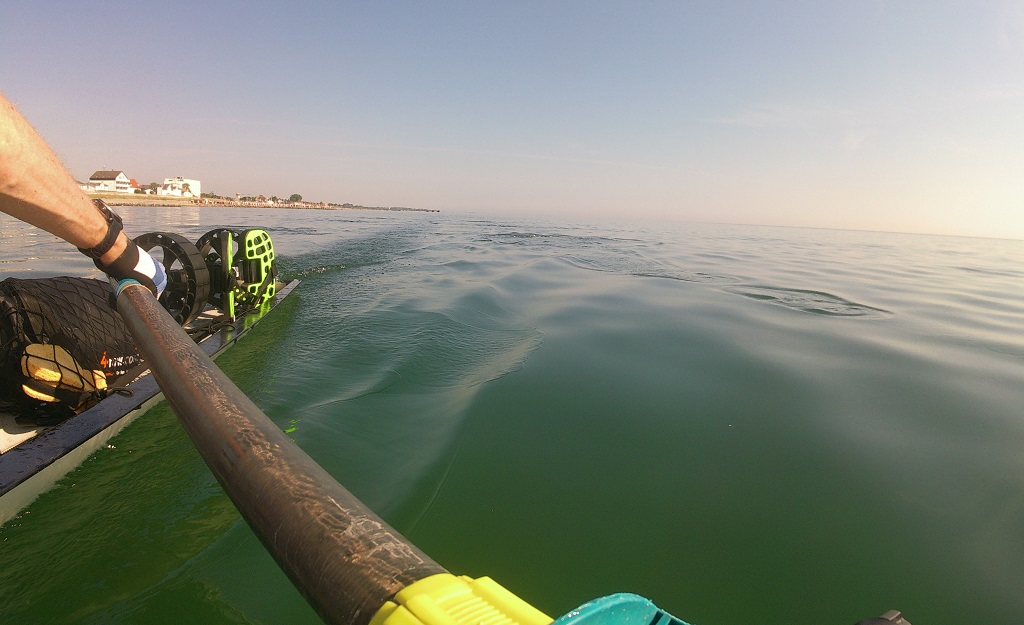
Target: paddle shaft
(341, 556)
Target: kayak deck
(13, 434)
(33, 458)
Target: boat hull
(33, 466)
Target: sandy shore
(138, 199)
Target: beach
(141, 199)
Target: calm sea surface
(744, 424)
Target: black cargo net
(71, 313)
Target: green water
(746, 425)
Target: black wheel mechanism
(188, 279)
(219, 249)
(243, 274)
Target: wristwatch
(114, 226)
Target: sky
(902, 116)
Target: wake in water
(627, 256)
(401, 338)
(817, 302)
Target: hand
(135, 263)
(132, 262)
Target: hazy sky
(882, 115)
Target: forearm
(36, 188)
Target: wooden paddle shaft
(341, 556)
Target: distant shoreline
(139, 199)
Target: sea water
(744, 424)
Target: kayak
(217, 294)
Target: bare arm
(37, 189)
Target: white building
(180, 187)
(110, 182)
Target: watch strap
(114, 227)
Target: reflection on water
(174, 219)
(28, 252)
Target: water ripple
(816, 302)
